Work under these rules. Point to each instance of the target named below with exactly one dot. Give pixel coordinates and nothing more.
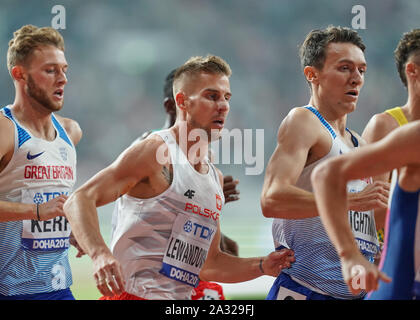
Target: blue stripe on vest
(321, 118)
(61, 131)
(23, 136)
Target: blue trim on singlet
(61, 132)
(64, 294)
(399, 251)
(323, 121)
(353, 139)
(23, 135)
(331, 130)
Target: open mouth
(59, 93)
(353, 93)
(219, 122)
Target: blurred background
(119, 53)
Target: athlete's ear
(180, 100)
(311, 74)
(411, 70)
(18, 73)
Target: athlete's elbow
(325, 172)
(272, 206)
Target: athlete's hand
(359, 274)
(229, 189)
(374, 196)
(276, 261)
(75, 244)
(52, 208)
(107, 273)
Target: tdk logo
(39, 197)
(198, 230)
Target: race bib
(363, 224)
(45, 235)
(287, 294)
(187, 249)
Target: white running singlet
(33, 254)
(317, 264)
(162, 242)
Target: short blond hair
(27, 39)
(198, 64)
(208, 64)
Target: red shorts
(208, 291)
(123, 296)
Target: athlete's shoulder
(72, 127)
(149, 149)
(6, 134)
(380, 125)
(299, 123)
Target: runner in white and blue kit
(333, 63)
(37, 171)
(400, 259)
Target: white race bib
(45, 235)
(363, 224)
(187, 249)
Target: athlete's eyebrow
(363, 64)
(229, 94)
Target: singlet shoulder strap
(323, 121)
(23, 135)
(398, 115)
(353, 138)
(61, 132)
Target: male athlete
(205, 290)
(37, 170)
(164, 242)
(383, 123)
(334, 65)
(397, 258)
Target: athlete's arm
(223, 267)
(280, 197)
(329, 180)
(15, 211)
(135, 163)
(377, 128)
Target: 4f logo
(218, 202)
(189, 193)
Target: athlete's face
(46, 77)
(342, 76)
(208, 103)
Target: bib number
(187, 249)
(45, 235)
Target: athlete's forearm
(288, 202)
(83, 218)
(230, 269)
(12, 211)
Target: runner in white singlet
(166, 225)
(334, 64)
(400, 259)
(37, 170)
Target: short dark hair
(313, 50)
(167, 87)
(408, 46)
